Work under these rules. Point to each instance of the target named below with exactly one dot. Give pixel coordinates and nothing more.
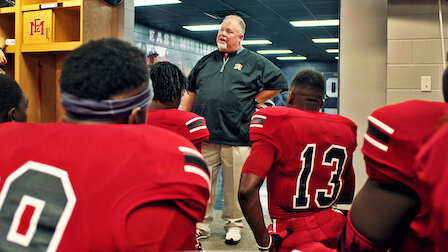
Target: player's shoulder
(411, 118)
(187, 117)
(394, 135)
(157, 135)
(269, 114)
(434, 151)
(192, 121)
(339, 119)
(272, 111)
(141, 134)
(281, 113)
(409, 110)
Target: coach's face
(229, 36)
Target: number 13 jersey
(313, 159)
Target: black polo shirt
(226, 90)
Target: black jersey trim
(196, 161)
(258, 121)
(377, 134)
(195, 124)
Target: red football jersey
(313, 159)
(187, 124)
(432, 163)
(395, 134)
(70, 187)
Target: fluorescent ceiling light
(332, 50)
(202, 27)
(326, 40)
(274, 51)
(292, 58)
(154, 2)
(314, 23)
(337, 57)
(256, 42)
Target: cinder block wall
(414, 49)
(386, 46)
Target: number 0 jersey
(70, 187)
(313, 159)
(394, 136)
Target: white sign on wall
(332, 87)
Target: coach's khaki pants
(232, 159)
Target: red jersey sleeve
(261, 127)
(395, 134)
(188, 124)
(432, 165)
(261, 159)
(197, 129)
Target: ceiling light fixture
(274, 51)
(214, 27)
(138, 3)
(314, 23)
(292, 58)
(332, 50)
(256, 42)
(326, 40)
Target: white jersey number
(36, 203)
(323, 197)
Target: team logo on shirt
(257, 121)
(238, 66)
(378, 133)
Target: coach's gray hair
(239, 19)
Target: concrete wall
(386, 47)
(362, 66)
(126, 21)
(414, 49)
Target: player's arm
(348, 187)
(380, 215)
(249, 199)
(346, 197)
(264, 95)
(259, 162)
(155, 227)
(188, 101)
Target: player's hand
(277, 238)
